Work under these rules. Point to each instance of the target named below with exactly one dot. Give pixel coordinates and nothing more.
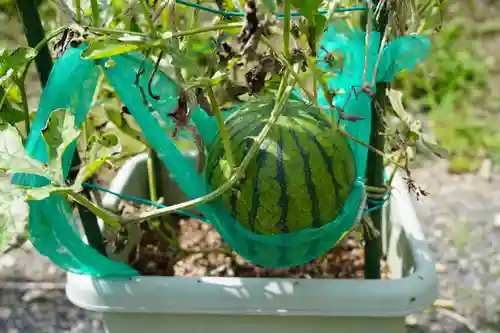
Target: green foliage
(13, 157)
(59, 133)
(13, 69)
(447, 88)
(99, 150)
(10, 112)
(13, 211)
(412, 128)
(232, 59)
(12, 63)
(108, 47)
(307, 8)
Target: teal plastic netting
(72, 83)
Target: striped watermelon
(299, 178)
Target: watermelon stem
(152, 175)
(222, 129)
(147, 16)
(286, 28)
(106, 216)
(78, 11)
(96, 15)
(329, 97)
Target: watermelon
(299, 178)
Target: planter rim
(271, 296)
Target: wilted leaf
(99, 150)
(414, 127)
(396, 100)
(13, 211)
(13, 157)
(111, 47)
(59, 133)
(433, 146)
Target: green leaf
(21, 56)
(111, 47)
(319, 24)
(59, 133)
(13, 157)
(14, 94)
(184, 59)
(11, 114)
(8, 112)
(114, 115)
(218, 77)
(227, 5)
(99, 150)
(270, 6)
(13, 63)
(308, 8)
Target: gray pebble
(461, 228)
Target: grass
(453, 91)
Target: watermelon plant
(280, 161)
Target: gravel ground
(461, 219)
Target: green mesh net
(53, 228)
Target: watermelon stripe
(311, 189)
(261, 160)
(280, 177)
(234, 200)
(348, 174)
(329, 165)
(328, 161)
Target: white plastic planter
(249, 305)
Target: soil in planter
(204, 254)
